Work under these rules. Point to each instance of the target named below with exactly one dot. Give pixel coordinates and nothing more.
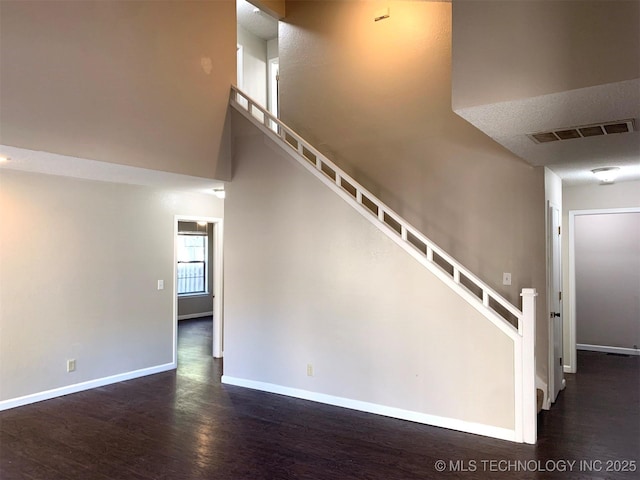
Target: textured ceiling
(508, 123)
(54, 164)
(260, 24)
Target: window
(192, 264)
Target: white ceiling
(62, 165)
(509, 123)
(259, 23)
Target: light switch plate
(160, 284)
(506, 279)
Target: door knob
(555, 314)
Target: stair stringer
(334, 178)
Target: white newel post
(528, 332)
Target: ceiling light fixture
(4, 159)
(219, 192)
(606, 174)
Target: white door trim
(239, 66)
(272, 85)
(571, 367)
(554, 384)
(218, 287)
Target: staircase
(517, 324)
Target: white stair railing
(517, 324)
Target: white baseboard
(433, 420)
(79, 387)
(195, 315)
(606, 349)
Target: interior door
(556, 369)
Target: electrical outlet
(309, 370)
(71, 365)
(506, 279)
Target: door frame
(555, 385)
(572, 367)
(273, 86)
(239, 66)
(218, 287)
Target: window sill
(194, 295)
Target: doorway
(604, 266)
(257, 55)
(213, 287)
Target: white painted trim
(218, 299)
(518, 384)
(80, 387)
(551, 385)
(606, 211)
(283, 132)
(273, 66)
(240, 66)
(418, 417)
(462, 291)
(571, 367)
(527, 375)
(549, 248)
(195, 315)
(608, 349)
(184, 296)
(572, 357)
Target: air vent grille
(609, 128)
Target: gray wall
(193, 305)
(507, 50)
(607, 268)
(142, 83)
(79, 265)
(376, 98)
(309, 280)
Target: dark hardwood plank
(186, 425)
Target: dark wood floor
(186, 425)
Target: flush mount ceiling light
(219, 192)
(606, 174)
(4, 159)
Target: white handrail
(382, 211)
(425, 251)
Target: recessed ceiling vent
(609, 128)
